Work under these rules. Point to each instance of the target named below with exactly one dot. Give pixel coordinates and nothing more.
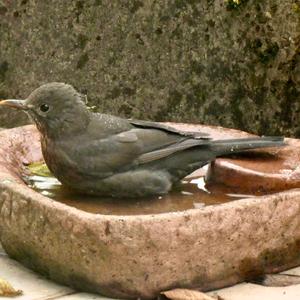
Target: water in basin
(191, 193)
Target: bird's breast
(58, 160)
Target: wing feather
(168, 129)
(164, 152)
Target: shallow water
(192, 193)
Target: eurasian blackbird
(102, 154)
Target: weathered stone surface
(33, 286)
(139, 256)
(249, 291)
(258, 171)
(198, 61)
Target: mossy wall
(234, 63)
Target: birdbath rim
(141, 255)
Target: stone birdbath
(130, 256)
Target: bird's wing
(167, 151)
(166, 128)
(131, 148)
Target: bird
(106, 155)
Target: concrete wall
(233, 63)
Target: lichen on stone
(232, 63)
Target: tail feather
(222, 147)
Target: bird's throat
(60, 128)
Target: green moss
(82, 40)
(158, 48)
(197, 67)
(290, 104)
(79, 5)
(180, 4)
(234, 4)
(174, 101)
(197, 97)
(296, 8)
(114, 93)
(3, 92)
(269, 53)
(83, 59)
(3, 70)
(265, 50)
(3, 8)
(236, 96)
(135, 6)
(214, 109)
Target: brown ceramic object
(139, 256)
(274, 171)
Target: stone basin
(141, 255)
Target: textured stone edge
(139, 256)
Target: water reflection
(192, 193)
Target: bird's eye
(44, 107)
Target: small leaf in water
(6, 289)
(186, 294)
(40, 169)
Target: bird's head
(56, 108)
